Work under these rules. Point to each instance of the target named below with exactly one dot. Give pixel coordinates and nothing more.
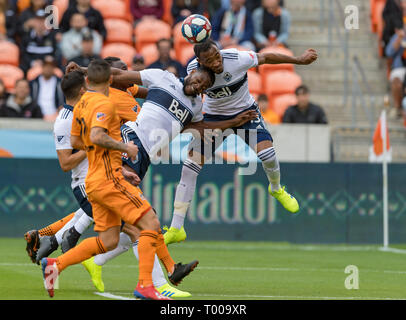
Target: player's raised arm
(308, 57)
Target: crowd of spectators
(82, 33)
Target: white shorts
(399, 73)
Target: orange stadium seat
(264, 69)
(183, 49)
(377, 7)
(9, 53)
(62, 5)
(150, 31)
(281, 82)
(119, 30)
(121, 50)
(113, 9)
(10, 74)
(254, 82)
(282, 102)
(150, 53)
(37, 70)
(167, 17)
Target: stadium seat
(264, 69)
(62, 5)
(282, 102)
(281, 82)
(113, 9)
(37, 70)
(9, 53)
(10, 74)
(183, 49)
(167, 17)
(150, 53)
(119, 30)
(377, 7)
(121, 50)
(150, 31)
(254, 82)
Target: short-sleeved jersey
(230, 95)
(127, 108)
(96, 110)
(62, 129)
(165, 111)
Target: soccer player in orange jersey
(96, 129)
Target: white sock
(123, 246)
(184, 192)
(72, 221)
(158, 277)
(271, 166)
(83, 223)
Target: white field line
(392, 250)
(112, 296)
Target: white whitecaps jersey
(166, 110)
(230, 95)
(62, 130)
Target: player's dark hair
(203, 47)
(209, 72)
(98, 71)
(72, 83)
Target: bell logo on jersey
(223, 93)
(180, 114)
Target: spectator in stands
(46, 90)
(26, 20)
(138, 63)
(164, 48)
(392, 15)
(267, 113)
(141, 9)
(304, 111)
(94, 17)
(3, 93)
(87, 54)
(71, 44)
(37, 43)
(20, 104)
(396, 49)
(233, 26)
(8, 20)
(184, 8)
(271, 24)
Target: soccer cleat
(287, 200)
(50, 274)
(181, 271)
(47, 245)
(32, 239)
(69, 239)
(95, 272)
(171, 292)
(173, 235)
(148, 293)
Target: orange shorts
(116, 201)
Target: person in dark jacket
(304, 111)
(20, 104)
(46, 90)
(392, 15)
(181, 9)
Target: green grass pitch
(227, 271)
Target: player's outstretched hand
(131, 177)
(308, 57)
(132, 150)
(246, 116)
(72, 66)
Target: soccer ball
(196, 28)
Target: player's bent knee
(149, 222)
(132, 231)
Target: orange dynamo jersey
(127, 107)
(96, 110)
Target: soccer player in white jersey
(228, 97)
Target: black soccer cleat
(181, 271)
(48, 244)
(69, 239)
(32, 239)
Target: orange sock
(56, 226)
(146, 251)
(83, 251)
(163, 253)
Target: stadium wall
(340, 203)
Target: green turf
(227, 270)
